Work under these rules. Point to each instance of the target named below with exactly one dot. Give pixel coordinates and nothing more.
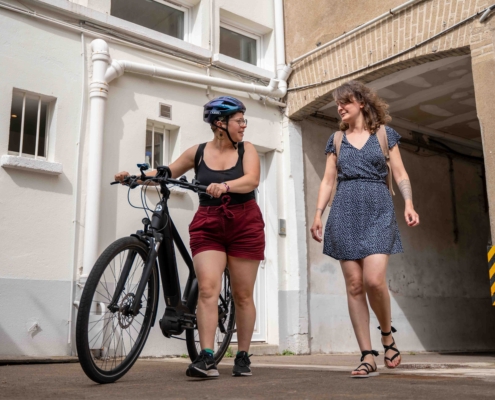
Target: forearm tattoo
(405, 189)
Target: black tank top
(205, 176)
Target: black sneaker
(241, 365)
(203, 367)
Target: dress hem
(360, 258)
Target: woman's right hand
(120, 176)
(316, 229)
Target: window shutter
(165, 111)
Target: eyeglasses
(241, 122)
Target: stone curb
(37, 360)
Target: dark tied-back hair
(375, 110)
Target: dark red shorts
(237, 230)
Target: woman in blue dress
(361, 230)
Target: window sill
(30, 164)
(241, 66)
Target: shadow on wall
(41, 182)
(439, 287)
(7, 345)
(120, 104)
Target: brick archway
(428, 31)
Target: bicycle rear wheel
(226, 322)
(110, 339)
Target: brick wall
(426, 31)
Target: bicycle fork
(135, 306)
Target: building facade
(68, 125)
(91, 87)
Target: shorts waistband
(248, 205)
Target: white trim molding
(31, 164)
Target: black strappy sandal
(367, 367)
(390, 347)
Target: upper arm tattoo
(405, 189)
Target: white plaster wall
(134, 99)
(37, 210)
(439, 289)
(293, 301)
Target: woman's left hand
(216, 189)
(412, 217)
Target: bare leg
(242, 278)
(375, 274)
(209, 266)
(358, 307)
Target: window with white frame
(156, 145)
(240, 44)
(162, 16)
(29, 124)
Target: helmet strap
(227, 131)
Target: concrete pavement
(423, 376)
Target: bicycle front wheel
(109, 338)
(226, 322)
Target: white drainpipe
(98, 93)
(283, 70)
(276, 87)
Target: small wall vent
(165, 111)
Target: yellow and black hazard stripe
(491, 271)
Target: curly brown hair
(375, 110)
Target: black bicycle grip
(115, 183)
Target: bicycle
(118, 305)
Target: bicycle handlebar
(163, 177)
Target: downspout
(283, 70)
(98, 94)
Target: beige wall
(313, 21)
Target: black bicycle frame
(160, 237)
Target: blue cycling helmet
(221, 107)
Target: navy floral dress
(362, 217)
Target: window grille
(29, 117)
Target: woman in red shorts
(228, 228)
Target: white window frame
(158, 127)
(248, 33)
(185, 8)
(49, 111)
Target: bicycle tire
(100, 340)
(221, 346)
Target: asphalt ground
(313, 377)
